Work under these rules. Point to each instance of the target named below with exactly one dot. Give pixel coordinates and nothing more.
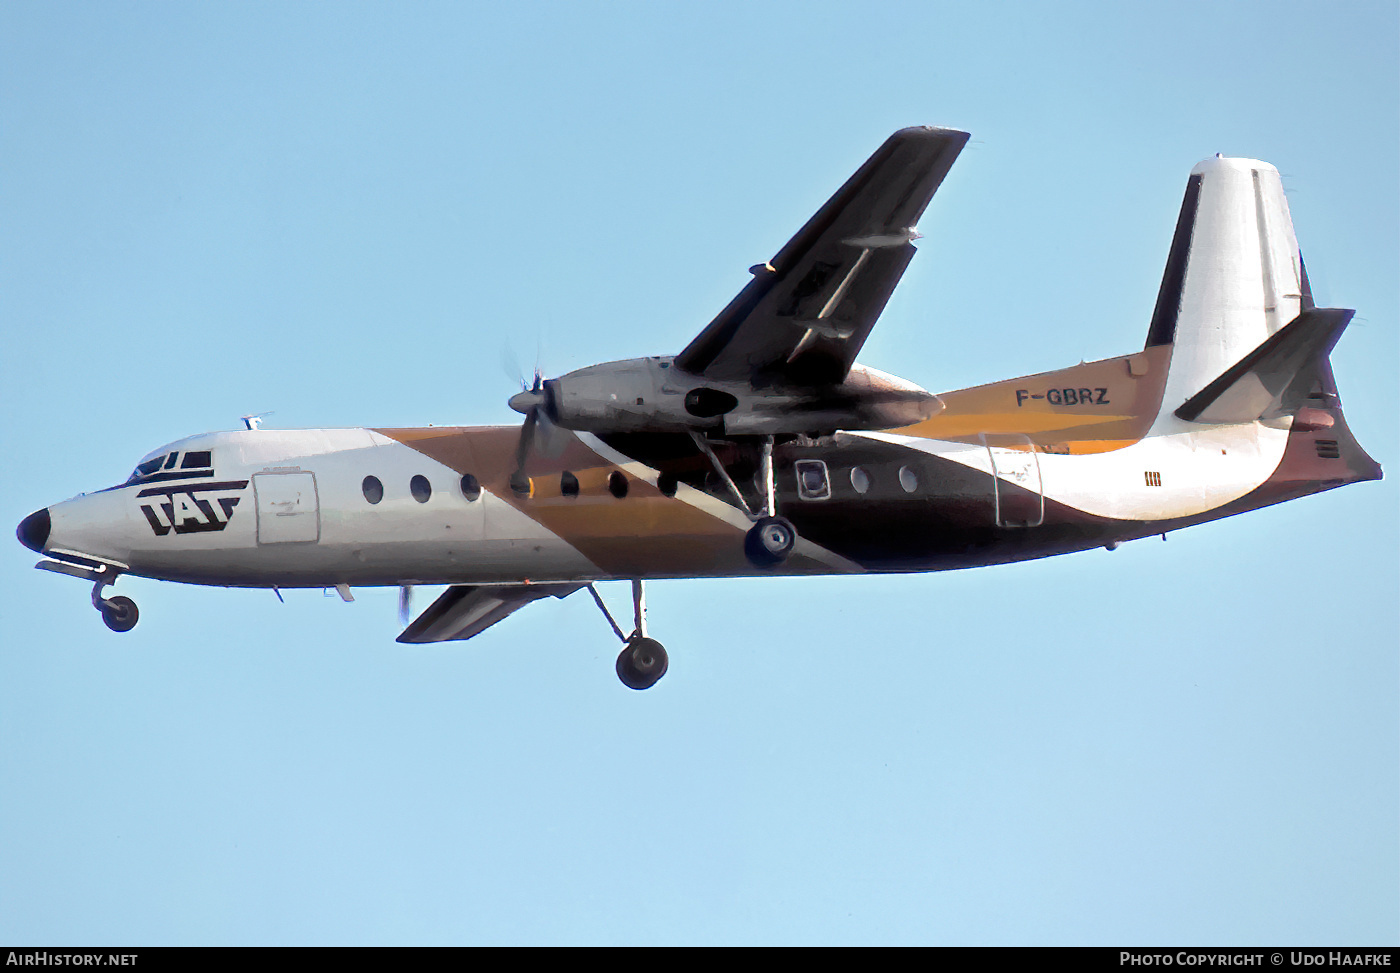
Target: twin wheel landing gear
(642, 660)
(118, 613)
(771, 538)
(769, 541)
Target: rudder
(1234, 275)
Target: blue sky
(352, 214)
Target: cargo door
(287, 508)
(1020, 498)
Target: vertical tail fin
(1234, 276)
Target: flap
(465, 610)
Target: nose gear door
(288, 510)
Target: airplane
(764, 448)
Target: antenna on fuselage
(254, 422)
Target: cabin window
(471, 489)
(908, 479)
(372, 489)
(666, 482)
(617, 484)
(860, 479)
(568, 484)
(197, 460)
(812, 483)
(420, 488)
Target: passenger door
(288, 510)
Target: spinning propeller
(539, 430)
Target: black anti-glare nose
(33, 531)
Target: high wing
(465, 610)
(807, 312)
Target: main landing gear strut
(642, 660)
(771, 538)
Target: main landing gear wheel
(641, 663)
(119, 613)
(770, 541)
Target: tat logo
(190, 508)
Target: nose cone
(523, 402)
(33, 531)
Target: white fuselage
(291, 508)
(303, 519)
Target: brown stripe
(621, 536)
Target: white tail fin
(1234, 276)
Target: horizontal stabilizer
(466, 610)
(1275, 378)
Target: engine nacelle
(652, 395)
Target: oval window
(471, 489)
(372, 489)
(667, 484)
(860, 479)
(420, 488)
(617, 484)
(568, 484)
(908, 479)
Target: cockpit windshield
(173, 466)
(145, 469)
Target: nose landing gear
(118, 613)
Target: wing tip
(932, 133)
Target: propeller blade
(405, 603)
(510, 365)
(527, 438)
(551, 438)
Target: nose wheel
(118, 612)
